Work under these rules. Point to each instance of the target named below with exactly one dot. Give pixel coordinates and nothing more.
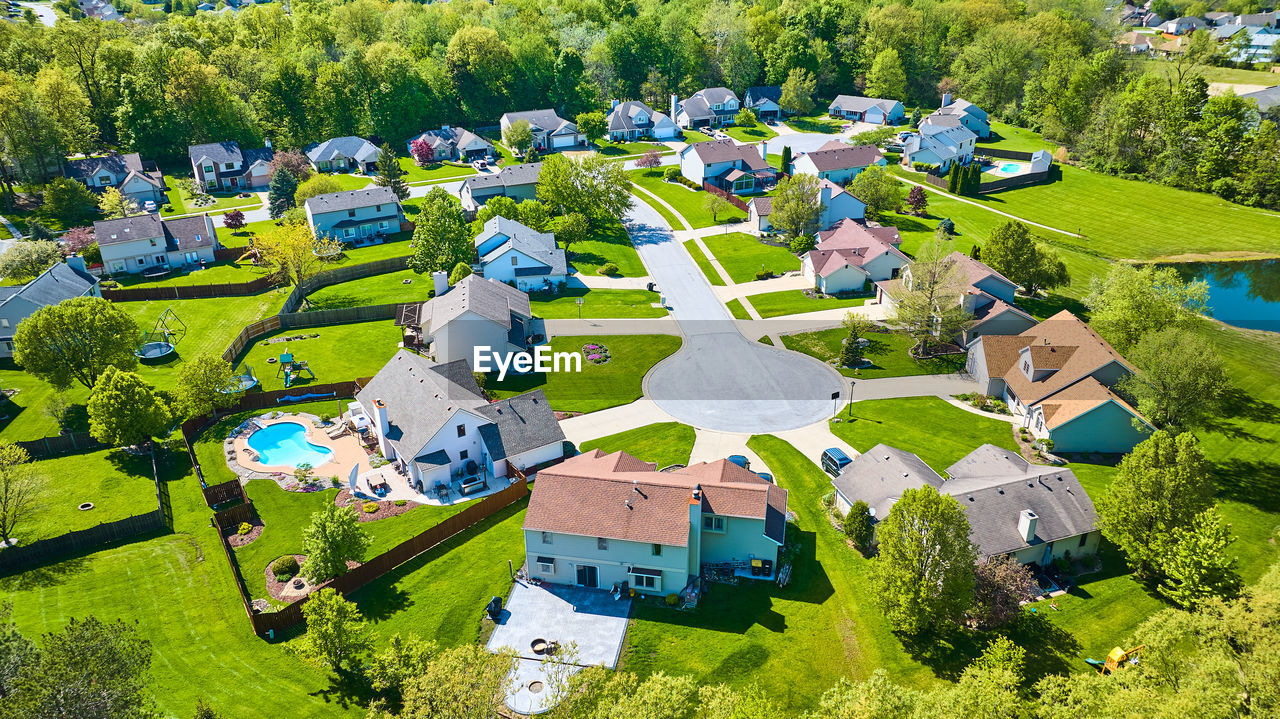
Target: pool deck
(346, 450)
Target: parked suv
(834, 460)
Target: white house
(874, 110)
(850, 256)
(765, 101)
(729, 166)
(709, 107)
(145, 242)
(477, 312)
(432, 421)
(453, 143)
(1182, 25)
(63, 281)
(837, 161)
(135, 179)
(519, 182)
(987, 295)
(355, 214)
(837, 204)
(601, 520)
(550, 131)
(944, 143)
(962, 111)
(513, 253)
(344, 154)
(634, 120)
(224, 166)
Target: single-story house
(135, 178)
(143, 242)
(344, 154)
(1136, 42)
(850, 255)
(987, 295)
(454, 143)
(837, 204)
(740, 169)
(519, 182)
(1030, 513)
(1267, 99)
(874, 110)
(1182, 25)
(709, 107)
(355, 214)
(477, 312)
(599, 520)
(943, 142)
(550, 131)
(433, 421)
(63, 281)
(837, 161)
(514, 253)
(765, 101)
(633, 120)
(1057, 377)
(224, 166)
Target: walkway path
(600, 282)
(12, 228)
(988, 208)
(646, 326)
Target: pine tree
(786, 159)
(953, 179)
(390, 173)
(280, 192)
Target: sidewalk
(645, 326)
(600, 282)
(605, 422)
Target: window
(104, 180)
(546, 537)
(211, 183)
(208, 168)
(514, 260)
(645, 581)
(1083, 538)
(547, 565)
(657, 550)
(351, 213)
(153, 243)
(142, 262)
(8, 346)
(348, 232)
(713, 523)
(463, 454)
(229, 165)
(602, 543)
(4, 323)
(462, 430)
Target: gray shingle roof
(188, 233)
(545, 120)
(540, 246)
(485, 297)
(59, 282)
(622, 117)
(729, 151)
(119, 165)
(857, 103)
(352, 200)
(510, 176)
(880, 475)
(357, 148)
(759, 93)
(127, 229)
(1267, 98)
(450, 136)
(520, 423)
(219, 152)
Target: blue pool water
(1244, 294)
(1010, 167)
(285, 445)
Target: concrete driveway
(720, 380)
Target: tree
(796, 206)
(68, 200)
(317, 185)
(798, 91)
(390, 173)
(422, 151)
(592, 125)
(500, 206)
(233, 220)
(930, 307)
(25, 260)
(333, 538)
(202, 386)
(649, 160)
(336, 635)
(1181, 381)
(786, 158)
(292, 251)
(292, 161)
(917, 200)
(1198, 566)
(858, 527)
(1130, 302)
(124, 410)
(886, 77)
(441, 238)
(572, 228)
(1001, 585)
(924, 571)
(518, 136)
(715, 204)
(1013, 252)
(593, 186)
(204, 711)
(75, 341)
(1160, 488)
(280, 192)
(534, 215)
(19, 490)
(391, 669)
(78, 240)
(878, 190)
(460, 272)
(114, 204)
(745, 118)
(464, 682)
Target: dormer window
(104, 180)
(153, 243)
(229, 165)
(208, 168)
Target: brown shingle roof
(836, 155)
(1081, 397)
(1060, 331)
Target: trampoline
(162, 340)
(242, 382)
(154, 350)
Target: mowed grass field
(743, 256)
(794, 302)
(339, 352)
(596, 304)
(664, 443)
(689, 203)
(887, 352)
(609, 243)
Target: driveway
(720, 380)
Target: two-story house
(136, 179)
(633, 120)
(61, 282)
(354, 215)
(477, 312)
(836, 203)
(432, 421)
(550, 131)
(145, 242)
(344, 154)
(874, 110)
(966, 113)
(837, 161)
(513, 253)
(224, 166)
(453, 143)
(519, 182)
(765, 101)
(725, 164)
(851, 255)
(709, 107)
(986, 294)
(943, 142)
(599, 520)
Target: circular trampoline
(154, 350)
(241, 383)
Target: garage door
(564, 141)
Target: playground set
(292, 370)
(1116, 660)
(162, 340)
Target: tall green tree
(333, 538)
(878, 190)
(593, 186)
(76, 340)
(796, 206)
(1130, 302)
(314, 186)
(518, 136)
(203, 386)
(280, 192)
(886, 77)
(798, 91)
(125, 410)
(337, 636)
(593, 125)
(25, 260)
(929, 307)
(1012, 251)
(1181, 381)
(390, 174)
(19, 494)
(1198, 565)
(442, 237)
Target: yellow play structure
(1117, 659)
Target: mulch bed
(566, 415)
(276, 589)
(386, 507)
(236, 539)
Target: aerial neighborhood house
(867, 109)
(224, 166)
(1267, 99)
(837, 204)
(1182, 25)
(137, 180)
(519, 182)
(1258, 45)
(634, 120)
(63, 281)
(550, 131)
(432, 421)
(344, 154)
(709, 107)
(987, 295)
(1057, 377)
(146, 242)
(355, 214)
(1219, 18)
(740, 169)
(1030, 513)
(1138, 16)
(454, 143)
(477, 312)
(837, 161)
(943, 143)
(849, 255)
(765, 101)
(959, 111)
(599, 520)
(514, 253)
(1257, 19)
(1136, 42)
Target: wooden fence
(316, 318)
(733, 199)
(1017, 181)
(191, 292)
(1005, 154)
(58, 445)
(224, 493)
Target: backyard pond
(1241, 294)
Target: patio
(243, 460)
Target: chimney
(946, 99)
(613, 103)
(382, 424)
(675, 106)
(1027, 525)
(824, 194)
(440, 279)
(76, 262)
(764, 151)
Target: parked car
(740, 461)
(766, 477)
(149, 206)
(481, 165)
(834, 460)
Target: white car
(149, 206)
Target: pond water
(1242, 294)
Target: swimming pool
(1010, 168)
(285, 444)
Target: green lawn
(622, 149)
(338, 354)
(375, 290)
(181, 201)
(1212, 73)
(119, 485)
(751, 134)
(1010, 137)
(692, 136)
(737, 310)
(597, 304)
(687, 202)
(887, 352)
(743, 255)
(350, 181)
(700, 258)
(816, 123)
(434, 172)
(670, 218)
(216, 273)
(597, 387)
(609, 243)
(664, 443)
(794, 302)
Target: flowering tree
(233, 220)
(917, 200)
(77, 239)
(649, 160)
(423, 153)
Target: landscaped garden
(596, 304)
(794, 302)
(744, 256)
(434, 172)
(887, 352)
(703, 263)
(664, 443)
(215, 273)
(609, 244)
(183, 203)
(336, 353)
(623, 149)
(819, 122)
(689, 203)
(751, 134)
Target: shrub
(244, 528)
(763, 275)
(334, 480)
(370, 507)
(829, 500)
(608, 269)
(325, 418)
(673, 599)
(284, 568)
(401, 502)
(858, 527)
(671, 172)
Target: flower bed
(235, 539)
(385, 507)
(596, 354)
